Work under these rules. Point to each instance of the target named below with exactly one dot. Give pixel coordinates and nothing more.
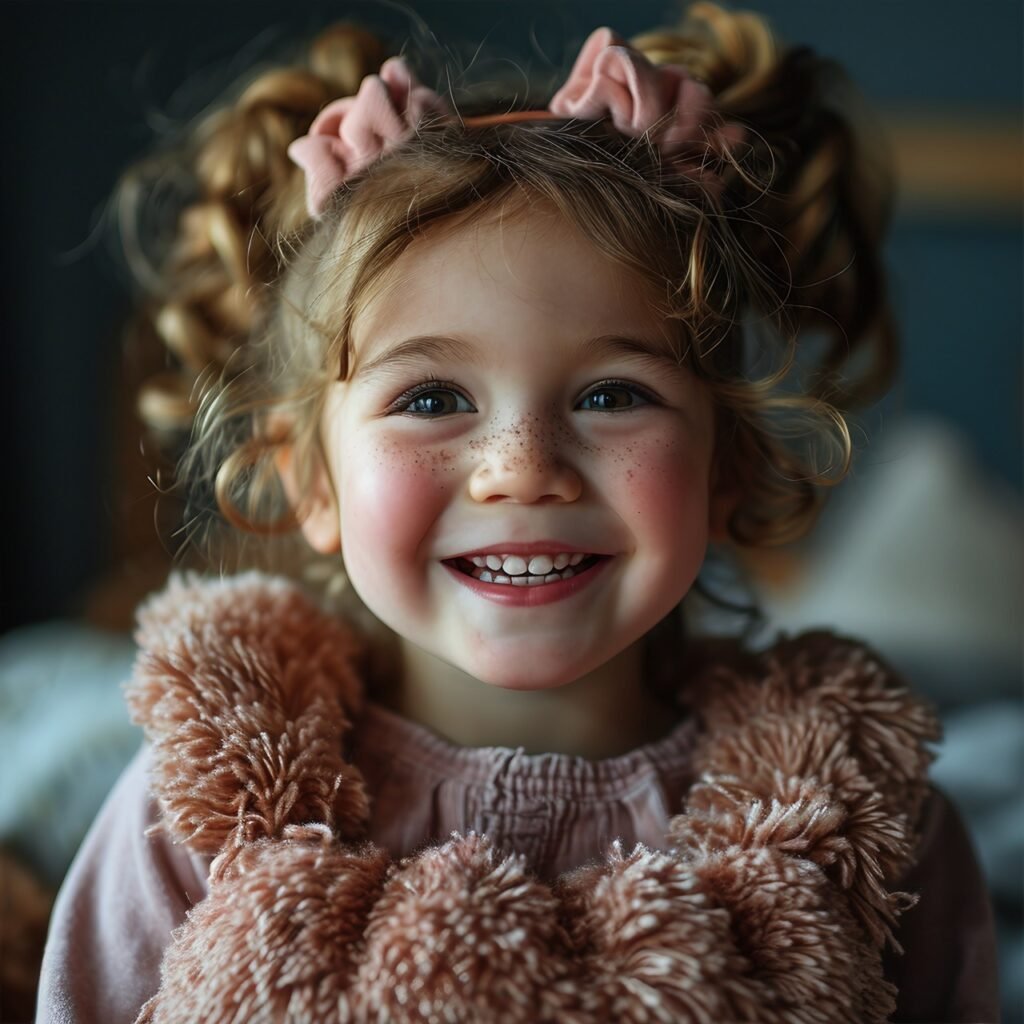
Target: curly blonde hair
(777, 286)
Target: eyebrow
(629, 346)
(432, 346)
(423, 346)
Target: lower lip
(513, 596)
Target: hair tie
(608, 80)
(351, 133)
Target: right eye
(431, 400)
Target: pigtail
(809, 197)
(244, 207)
(812, 191)
(208, 228)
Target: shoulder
(821, 675)
(817, 736)
(948, 970)
(206, 614)
(126, 891)
(204, 638)
(819, 697)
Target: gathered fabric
(555, 810)
(772, 900)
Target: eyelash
(406, 398)
(648, 397)
(403, 401)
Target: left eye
(612, 398)
(432, 402)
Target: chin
(513, 676)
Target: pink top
(556, 810)
(126, 892)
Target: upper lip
(539, 547)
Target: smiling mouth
(523, 571)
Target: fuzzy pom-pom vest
(771, 902)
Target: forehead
(531, 271)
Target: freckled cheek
(390, 500)
(663, 488)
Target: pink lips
(526, 596)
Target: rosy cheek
(391, 497)
(663, 480)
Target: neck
(603, 714)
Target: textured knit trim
(773, 903)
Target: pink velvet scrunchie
(351, 133)
(609, 79)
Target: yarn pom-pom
(653, 946)
(461, 934)
(244, 688)
(276, 939)
(807, 957)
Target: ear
(316, 507)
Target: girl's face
(522, 470)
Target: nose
(523, 466)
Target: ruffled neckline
(558, 775)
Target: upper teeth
(517, 565)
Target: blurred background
(920, 552)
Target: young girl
(518, 365)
